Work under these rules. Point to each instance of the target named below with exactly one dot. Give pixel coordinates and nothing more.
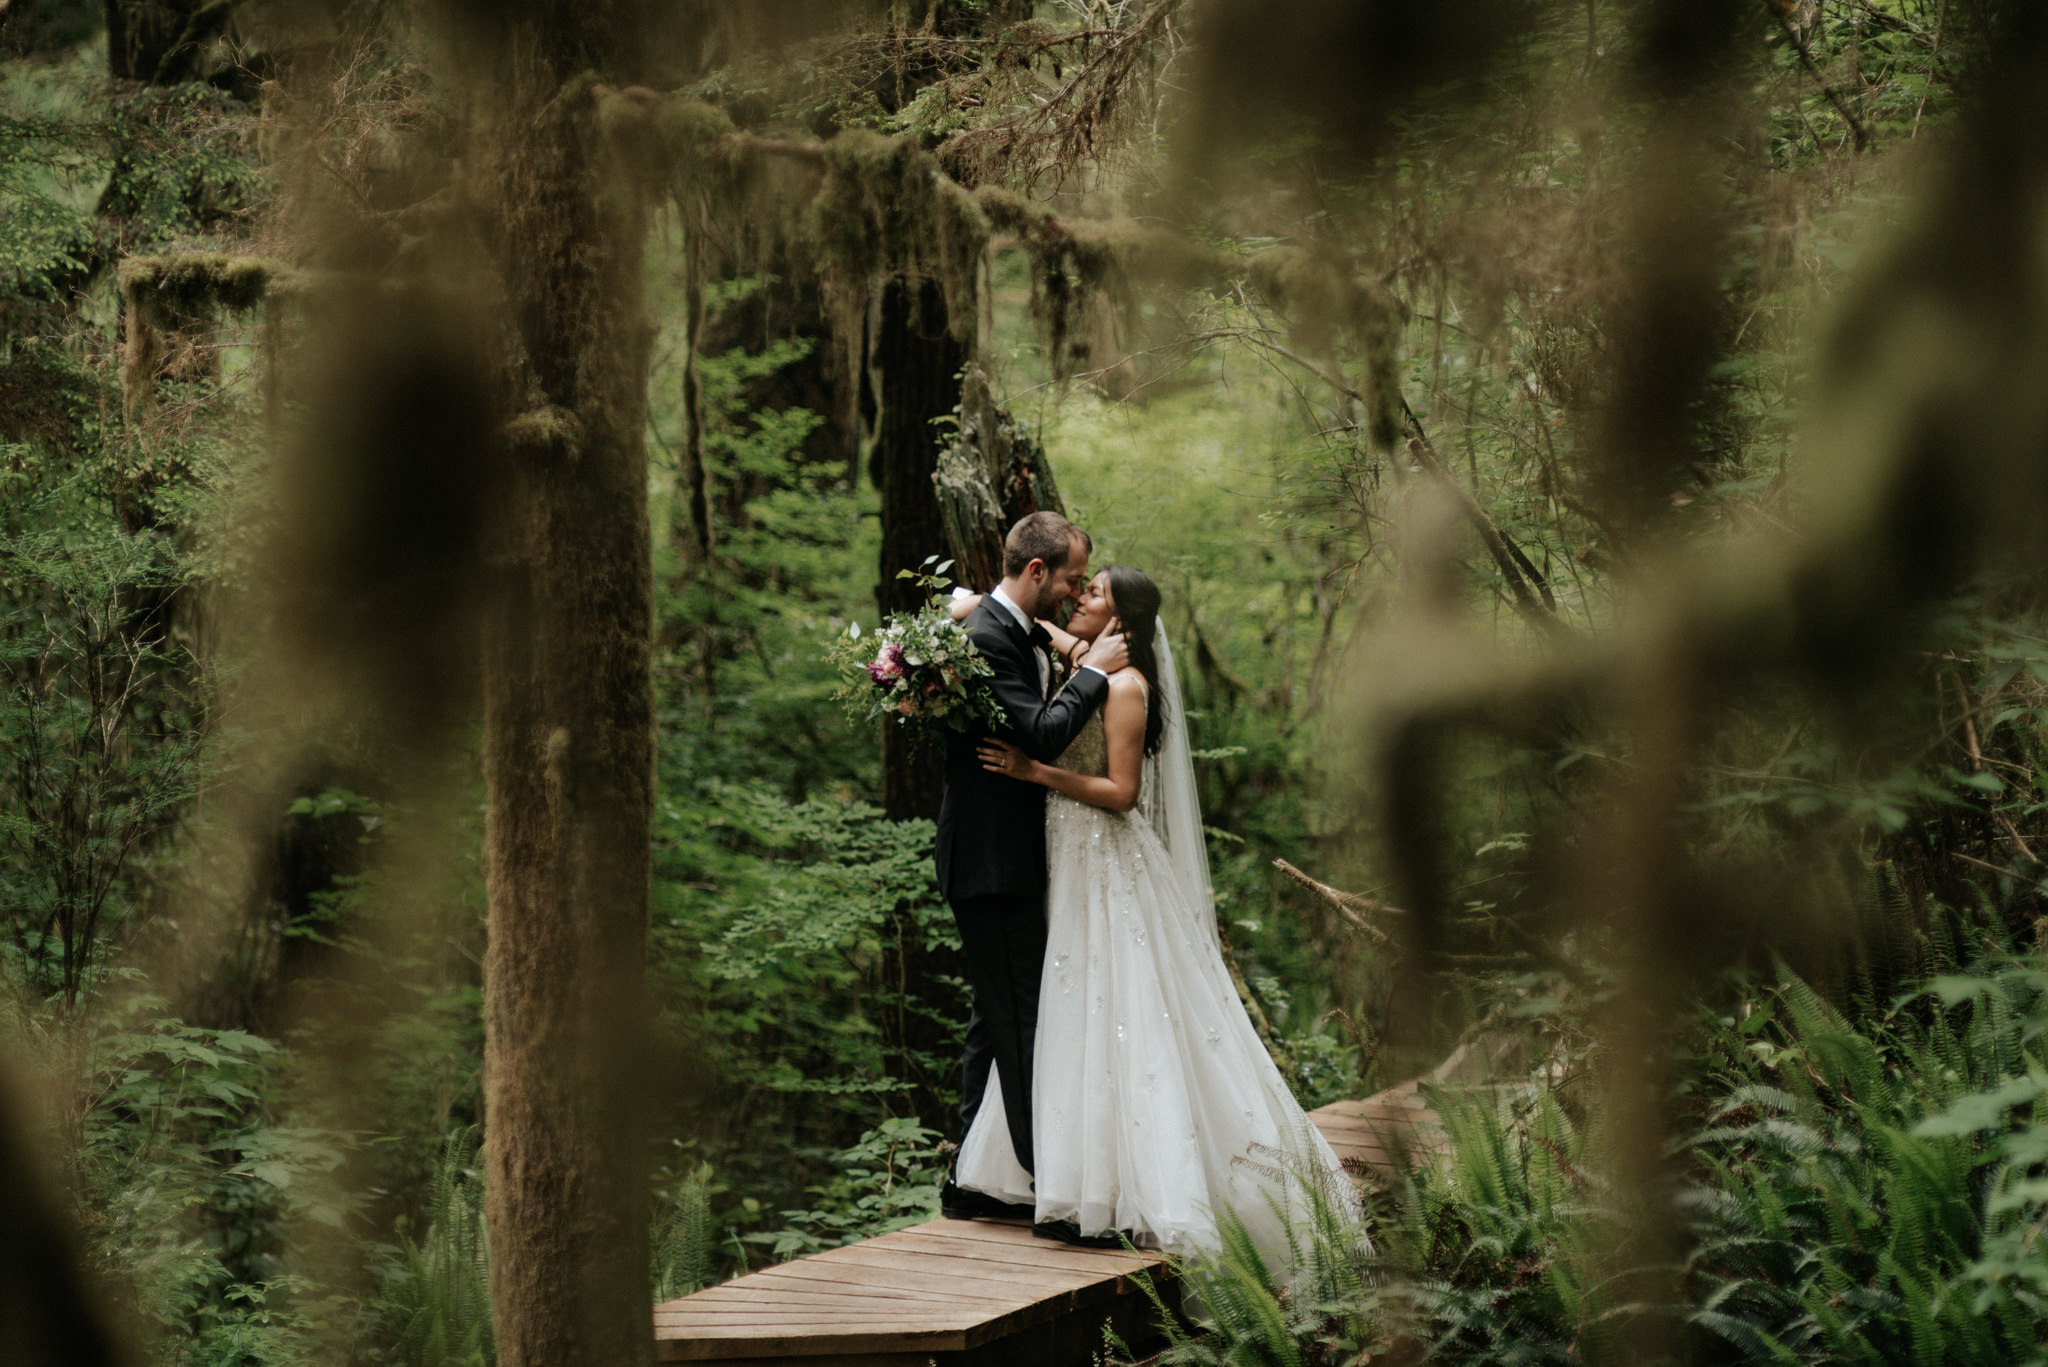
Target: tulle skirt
(1155, 1106)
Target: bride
(1155, 1106)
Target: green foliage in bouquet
(919, 668)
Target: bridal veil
(1168, 799)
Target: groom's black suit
(991, 858)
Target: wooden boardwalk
(976, 1293)
(1374, 1136)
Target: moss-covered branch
(862, 205)
(162, 294)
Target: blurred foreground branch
(1523, 579)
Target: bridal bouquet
(918, 667)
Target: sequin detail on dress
(1155, 1104)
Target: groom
(991, 839)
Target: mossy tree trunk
(914, 365)
(993, 472)
(568, 709)
(161, 41)
(50, 1314)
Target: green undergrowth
(1852, 1182)
(890, 1179)
(433, 1305)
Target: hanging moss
(185, 287)
(1076, 260)
(883, 206)
(696, 138)
(1325, 300)
(1327, 303)
(630, 121)
(960, 232)
(163, 294)
(861, 207)
(856, 216)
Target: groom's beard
(1054, 610)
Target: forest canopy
(1590, 451)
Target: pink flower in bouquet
(888, 666)
(907, 706)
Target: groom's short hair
(1041, 536)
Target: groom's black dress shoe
(958, 1203)
(1067, 1232)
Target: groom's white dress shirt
(1024, 621)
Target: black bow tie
(1040, 637)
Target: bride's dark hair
(1136, 600)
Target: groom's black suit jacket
(992, 828)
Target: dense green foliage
(1857, 1187)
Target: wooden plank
(1379, 1136)
(1365, 1139)
(1362, 1114)
(1373, 1124)
(1378, 1142)
(809, 1279)
(1416, 1143)
(879, 1254)
(944, 1269)
(939, 1289)
(821, 1336)
(1000, 1265)
(697, 1322)
(1070, 1254)
(749, 1342)
(1394, 1099)
(678, 1321)
(809, 1296)
(1000, 1320)
(795, 1301)
(1020, 1236)
(1383, 1151)
(866, 1281)
(1055, 1341)
(1364, 1134)
(1378, 1129)
(955, 1286)
(1009, 1255)
(1375, 1109)
(1374, 1115)
(1370, 1146)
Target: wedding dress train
(1155, 1105)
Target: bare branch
(1351, 906)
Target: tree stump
(993, 472)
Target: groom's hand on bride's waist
(1108, 654)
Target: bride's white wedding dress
(1155, 1105)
